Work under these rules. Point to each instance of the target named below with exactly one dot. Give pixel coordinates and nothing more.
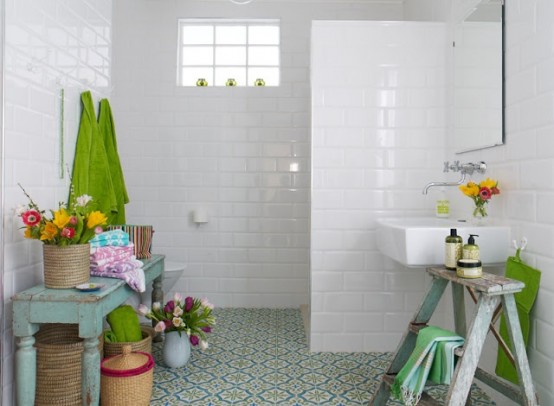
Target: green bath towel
(125, 324)
(91, 169)
(516, 269)
(107, 129)
(432, 358)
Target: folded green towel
(110, 337)
(516, 269)
(125, 324)
(107, 130)
(432, 358)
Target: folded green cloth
(110, 337)
(516, 269)
(432, 358)
(125, 324)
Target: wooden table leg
(91, 372)
(157, 296)
(26, 371)
(465, 368)
(520, 354)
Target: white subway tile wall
(49, 46)
(369, 137)
(524, 168)
(242, 154)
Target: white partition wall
(378, 136)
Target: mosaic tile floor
(260, 357)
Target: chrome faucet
(465, 169)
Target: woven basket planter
(66, 267)
(126, 379)
(144, 345)
(59, 352)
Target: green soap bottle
(452, 249)
(471, 250)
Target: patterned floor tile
(259, 357)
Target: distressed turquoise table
(39, 305)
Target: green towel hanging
(91, 170)
(516, 269)
(107, 130)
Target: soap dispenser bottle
(452, 249)
(442, 205)
(471, 250)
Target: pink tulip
(159, 327)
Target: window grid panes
(219, 50)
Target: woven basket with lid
(126, 379)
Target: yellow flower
(471, 189)
(27, 233)
(96, 218)
(489, 183)
(61, 218)
(49, 232)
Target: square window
(218, 50)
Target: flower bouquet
(65, 234)
(481, 194)
(190, 316)
(64, 226)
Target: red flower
(68, 232)
(169, 307)
(194, 340)
(485, 193)
(206, 329)
(31, 218)
(495, 190)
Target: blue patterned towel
(114, 238)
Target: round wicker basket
(144, 345)
(126, 379)
(66, 266)
(59, 352)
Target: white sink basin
(419, 241)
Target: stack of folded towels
(112, 256)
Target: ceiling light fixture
(240, 2)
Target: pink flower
(68, 232)
(207, 304)
(142, 309)
(177, 297)
(73, 220)
(495, 190)
(485, 193)
(189, 302)
(31, 218)
(206, 329)
(159, 327)
(98, 230)
(194, 340)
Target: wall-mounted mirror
(478, 117)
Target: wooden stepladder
(492, 291)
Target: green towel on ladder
(91, 170)
(432, 359)
(107, 129)
(516, 269)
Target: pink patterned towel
(130, 271)
(110, 252)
